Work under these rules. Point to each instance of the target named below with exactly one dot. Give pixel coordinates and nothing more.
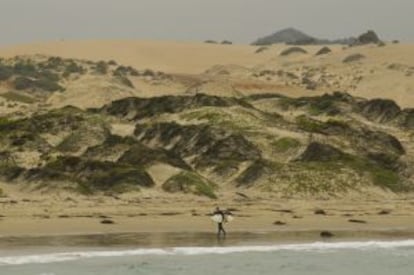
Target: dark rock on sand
(320, 212)
(107, 221)
(326, 234)
(356, 221)
(384, 212)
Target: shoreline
(129, 240)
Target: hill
(288, 36)
(293, 36)
(333, 144)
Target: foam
(317, 246)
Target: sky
(241, 21)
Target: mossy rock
(188, 182)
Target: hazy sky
(236, 20)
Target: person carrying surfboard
(220, 218)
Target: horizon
(240, 21)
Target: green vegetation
(10, 172)
(5, 72)
(92, 175)
(188, 182)
(101, 67)
(72, 68)
(18, 97)
(325, 104)
(381, 176)
(70, 143)
(285, 144)
(309, 125)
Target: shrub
(309, 125)
(23, 83)
(226, 42)
(112, 63)
(101, 67)
(292, 50)
(72, 67)
(5, 72)
(324, 50)
(48, 85)
(54, 62)
(210, 42)
(16, 96)
(25, 69)
(148, 72)
(353, 58)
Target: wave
(318, 246)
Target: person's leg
(221, 230)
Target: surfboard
(218, 218)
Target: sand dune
(385, 72)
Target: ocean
(386, 257)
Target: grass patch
(380, 176)
(188, 182)
(309, 125)
(13, 96)
(285, 144)
(70, 143)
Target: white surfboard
(218, 218)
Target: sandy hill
(380, 72)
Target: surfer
(220, 222)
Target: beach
(65, 213)
(147, 231)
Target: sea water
(334, 258)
